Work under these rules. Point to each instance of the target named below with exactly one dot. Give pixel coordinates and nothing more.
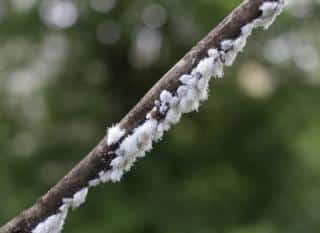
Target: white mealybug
(115, 133)
(117, 162)
(116, 175)
(165, 96)
(79, 198)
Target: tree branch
(104, 153)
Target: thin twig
(100, 157)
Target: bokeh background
(249, 162)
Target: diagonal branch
(179, 91)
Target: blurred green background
(247, 163)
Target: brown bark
(99, 158)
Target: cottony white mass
(188, 96)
